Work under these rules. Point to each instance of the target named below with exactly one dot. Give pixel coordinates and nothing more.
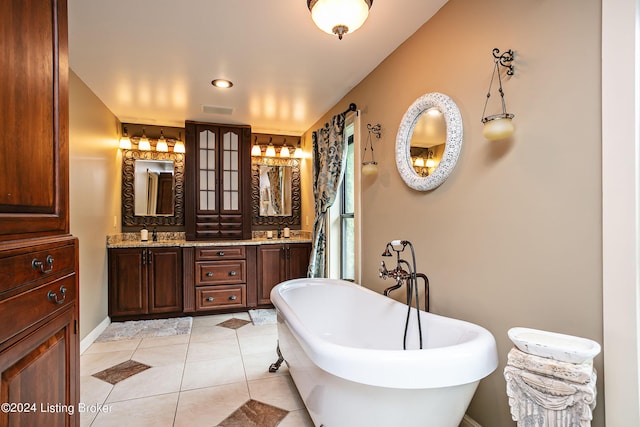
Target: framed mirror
(429, 141)
(152, 188)
(275, 192)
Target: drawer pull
(233, 298)
(210, 274)
(52, 296)
(220, 253)
(39, 265)
(233, 273)
(209, 299)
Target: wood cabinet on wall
(217, 181)
(39, 342)
(280, 262)
(145, 281)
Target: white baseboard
(467, 421)
(93, 335)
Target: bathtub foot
(276, 365)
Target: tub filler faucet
(409, 277)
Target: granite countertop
(132, 240)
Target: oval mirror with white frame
(429, 141)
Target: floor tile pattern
(255, 414)
(216, 375)
(121, 371)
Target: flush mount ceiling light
(222, 83)
(339, 16)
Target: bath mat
(134, 329)
(263, 316)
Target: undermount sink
(552, 345)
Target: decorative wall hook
(499, 126)
(370, 167)
(504, 59)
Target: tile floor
(216, 376)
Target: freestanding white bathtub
(343, 346)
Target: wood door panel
(165, 280)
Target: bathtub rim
(462, 363)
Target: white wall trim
(621, 210)
(93, 335)
(467, 421)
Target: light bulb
(284, 152)
(298, 153)
(256, 151)
(179, 147)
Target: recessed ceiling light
(222, 83)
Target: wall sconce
(277, 150)
(158, 143)
(370, 168)
(125, 141)
(179, 145)
(162, 145)
(339, 17)
(499, 126)
(271, 150)
(144, 144)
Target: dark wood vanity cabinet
(144, 281)
(224, 277)
(217, 181)
(280, 262)
(39, 340)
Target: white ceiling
(152, 61)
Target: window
(347, 215)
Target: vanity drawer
(220, 252)
(20, 312)
(22, 269)
(221, 272)
(212, 297)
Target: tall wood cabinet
(39, 342)
(217, 181)
(144, 281)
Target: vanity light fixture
(222, 83)
(284, 151)
(162, 145)
(499, 126)
(125, 141)
(144, 144)
(370, 168)
(339, 17)
(298, 153)
(256, 151)
(271, 151)
(179, 145)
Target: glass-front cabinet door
(217, 181)
(207, 171)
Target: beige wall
(513, 237)
(94, 183)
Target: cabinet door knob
(52, 296)
(39, 265)
(233, 273)
(220, 253)
(210, 274)
(233, 297)
(209, 299)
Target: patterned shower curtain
(329, 158)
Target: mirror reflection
(428, 141)
(275, 190)
(154, 188)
